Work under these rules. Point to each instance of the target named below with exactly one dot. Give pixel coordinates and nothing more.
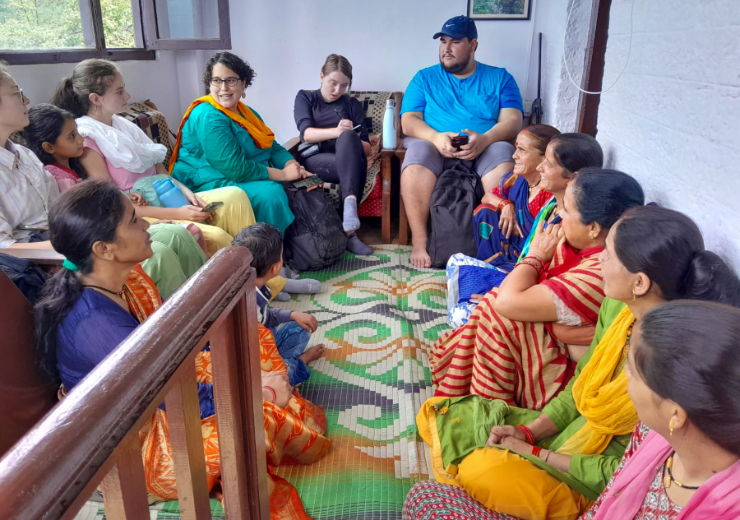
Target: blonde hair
(334, 63)
(88, 77)
(4, 74)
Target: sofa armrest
(42, 257)
(292, 146)
(398, 98)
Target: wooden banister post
(124, 488)
(186, 439)
(235, 360)
(253, 430)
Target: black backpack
(316, 238)
(456, 195)
(26, 275)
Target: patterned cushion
(146, 116)
(373, 103)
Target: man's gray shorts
(424, 153)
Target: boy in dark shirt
(292, 329)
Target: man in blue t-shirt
(457, 96)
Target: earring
(634, 297)
(244, 94)
(591, 236)
(670, 426)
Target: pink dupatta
(717, 499)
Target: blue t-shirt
(451, 104)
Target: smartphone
(460, 140)
(358, 127)
(212, 207)
(308, 182)
(33, 228)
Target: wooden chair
(26, 395)
(378, 188)
(91, 438)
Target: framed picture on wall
(499, 9)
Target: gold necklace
(532, 186)
(668, 479)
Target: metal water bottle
(389, 125)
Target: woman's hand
(516, 444)
(137, 199)
(193, 198)
(476, 298)
(507, 222)
(280, 384)
(546, 241)
(499, 433)
(343, 126)
(293, 171)
(193, 214)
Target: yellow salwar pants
(503, 481)
(229, 219)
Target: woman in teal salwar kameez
(222, 142)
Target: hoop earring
(670, 426)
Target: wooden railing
(91, 438)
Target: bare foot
(312, 354)
(419, 257)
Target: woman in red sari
(507, 349)
(102, 295)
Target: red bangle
(534, 262)
(536, 450)
(503, 204)
(274, 394)
(527, 433)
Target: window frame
(153, 41)
(145, 35)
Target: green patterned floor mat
(378, 317)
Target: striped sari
(521, 363)
(293, 435)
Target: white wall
(672, 118)
(156, 80)
(386, 41)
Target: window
(68, 31)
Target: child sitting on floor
(292, 329)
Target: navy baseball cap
(458, 28)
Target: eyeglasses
(19, 93)
(230, 82)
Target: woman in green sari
(553, 464)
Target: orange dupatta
(246, 118)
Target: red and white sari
(521, 363)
